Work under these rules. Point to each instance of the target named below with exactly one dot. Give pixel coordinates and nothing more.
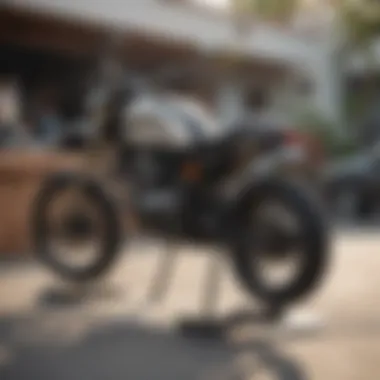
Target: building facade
(289, 68)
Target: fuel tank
(168, 122)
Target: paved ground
(125, 328)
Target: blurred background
(311, 67)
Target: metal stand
(208, 326)
(274, 312)
(212, 326)
(161, 280)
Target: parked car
(353, 184)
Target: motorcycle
(191, 180)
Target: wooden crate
(21, 173)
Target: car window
(374, 164)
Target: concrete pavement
(122, 328)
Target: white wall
(179, 22)
(209, 32)
(328, 75)
(362, 62)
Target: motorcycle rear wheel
(100, 202)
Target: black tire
(95, 193)
(315, 244)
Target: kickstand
(274, 312)
(208, 325)
(163, 275)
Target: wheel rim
(277, 257)
(74, 229)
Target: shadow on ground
(63, 339)
(70, 347)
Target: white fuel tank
(168, 121)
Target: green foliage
(279, 10)
(361, 21)
(359, 18)
(358, 103)
(335, 144)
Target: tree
(276, 10)
(245, 13)
(360, 20)
(356, 21)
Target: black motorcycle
(189, 179)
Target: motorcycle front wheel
(75, 227)
(282, 249)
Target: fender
(65, 179)
(262, 170)
(75, 179)
(252, 193)
(248, 198)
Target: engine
(160, 134)
(156, 192)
